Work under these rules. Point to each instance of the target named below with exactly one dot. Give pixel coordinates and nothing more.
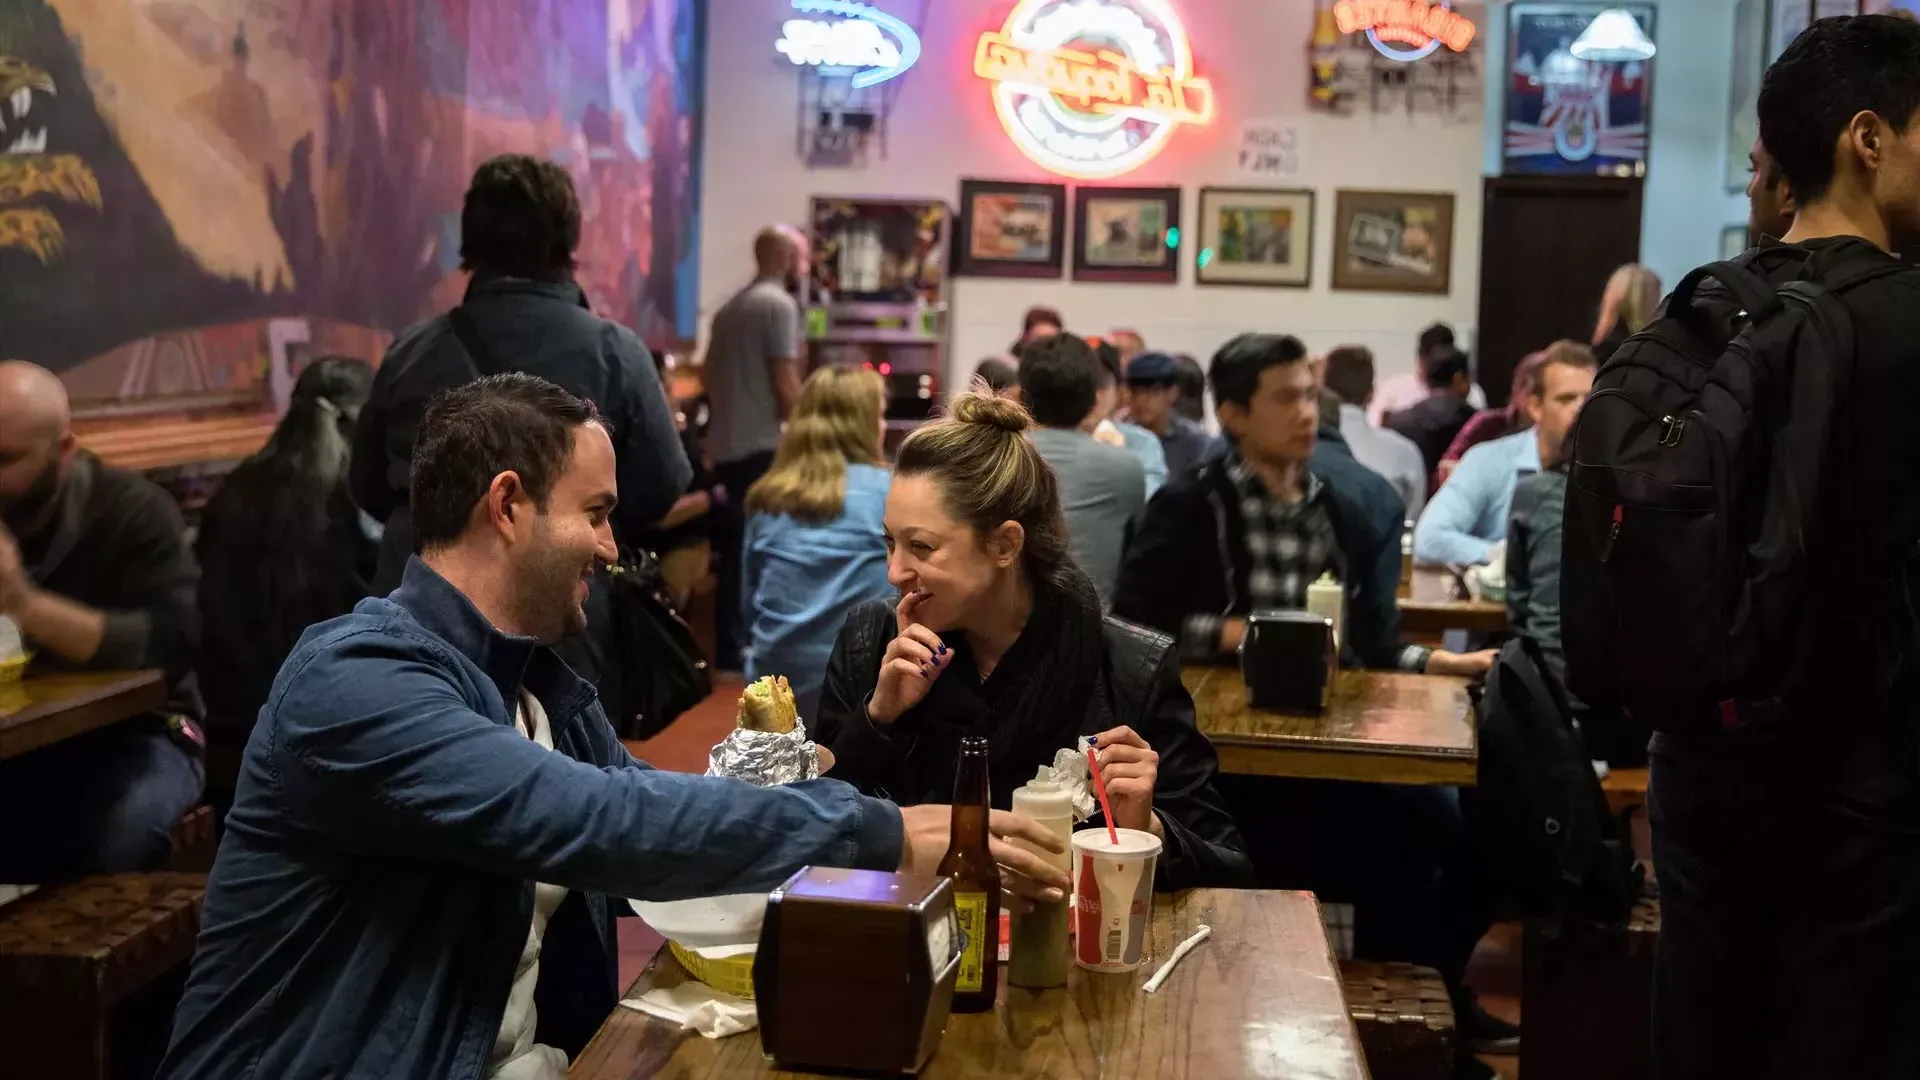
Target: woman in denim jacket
(814, 548)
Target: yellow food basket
(12, 668)
(734, 975)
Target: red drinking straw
(1100, 789)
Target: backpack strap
(1754, 293)
(484, 360)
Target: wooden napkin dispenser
(855, 970)
(1288, 661)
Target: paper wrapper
(765, 758)
(1069, 770)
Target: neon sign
(1092, 88)
(856, 40)
(1405, 30)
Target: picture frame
(1126, 234)
(1260, 237)
(1743, 100)
(1601, 130)
(1011, 229)
(1393, 241)
(1733, 240)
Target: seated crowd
(397, 633)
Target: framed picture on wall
(1572, 117)
(1393, 241)
(1011, 229)
(1749, 63)
(1789, 17)
(1126, 234)
(1733, 240)
(1254, 236)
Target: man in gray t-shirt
(752, 377)
(1103, 489)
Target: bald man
(752, 377)
(95, 569)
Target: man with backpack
(1742, 516)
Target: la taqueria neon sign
(1405, 30)
(1092, 88)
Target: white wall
(943, 128)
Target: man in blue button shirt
(1467, 517)
(435, 826)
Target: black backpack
(1550, 839)
(1692, 493)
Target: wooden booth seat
(1404, 1018)
(158, 443)
(90, 972)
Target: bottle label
(971, 910)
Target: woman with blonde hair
(1631, 299)
(995, 632)
(813, 548)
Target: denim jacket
(799, 581)
(375, 886)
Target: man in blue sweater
(434, 824)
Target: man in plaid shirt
(1251, 531)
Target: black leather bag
(648, 667)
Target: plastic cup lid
(1133, 842)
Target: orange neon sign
(1419, 25)
(1092, 88)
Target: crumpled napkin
(1069, 770)
(694, 1004)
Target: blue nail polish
(942, 651)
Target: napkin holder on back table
(1288, 661)
(855, 970)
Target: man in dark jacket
(518, 231)
(1250, 531)
(95, 572)
(434, 822)
(1433, 423)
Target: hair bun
(989, 409)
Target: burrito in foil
(768, 744)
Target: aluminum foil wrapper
(1069, 770)
(765, 758)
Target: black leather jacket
(911, 761)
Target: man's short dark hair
(1350, 374)
(1059, 376)
(999, 373)
(1040, 316)
(1435, 338)
(514, 423)
(521, 218)
(1109, 356)
(1445, 366)
(1835, 69)
(1235, 370)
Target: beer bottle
(976, 882)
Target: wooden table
(1439, 616)
(1260, 998)
(41, 710)
(1380, 726)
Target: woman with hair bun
(998, 633)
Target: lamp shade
(1613, 36)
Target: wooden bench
(156, 443)
(1587, 999)
(1625, 787)
(1404, 1018)
(90, 972)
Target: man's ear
(506, 500)
(1231, 416)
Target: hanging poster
(1570, 116)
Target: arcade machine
(877, 298)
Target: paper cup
(1112, 898)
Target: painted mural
(194, 190)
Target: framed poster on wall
(1393, 241)
(1254, 236)
(1011, 229)
(1126, 234)
(1788, 17)
(1568, 116)
(1743, 101)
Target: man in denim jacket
(434, 823)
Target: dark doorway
(1547, 245)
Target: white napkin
(10, 644)
(696, 1005)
